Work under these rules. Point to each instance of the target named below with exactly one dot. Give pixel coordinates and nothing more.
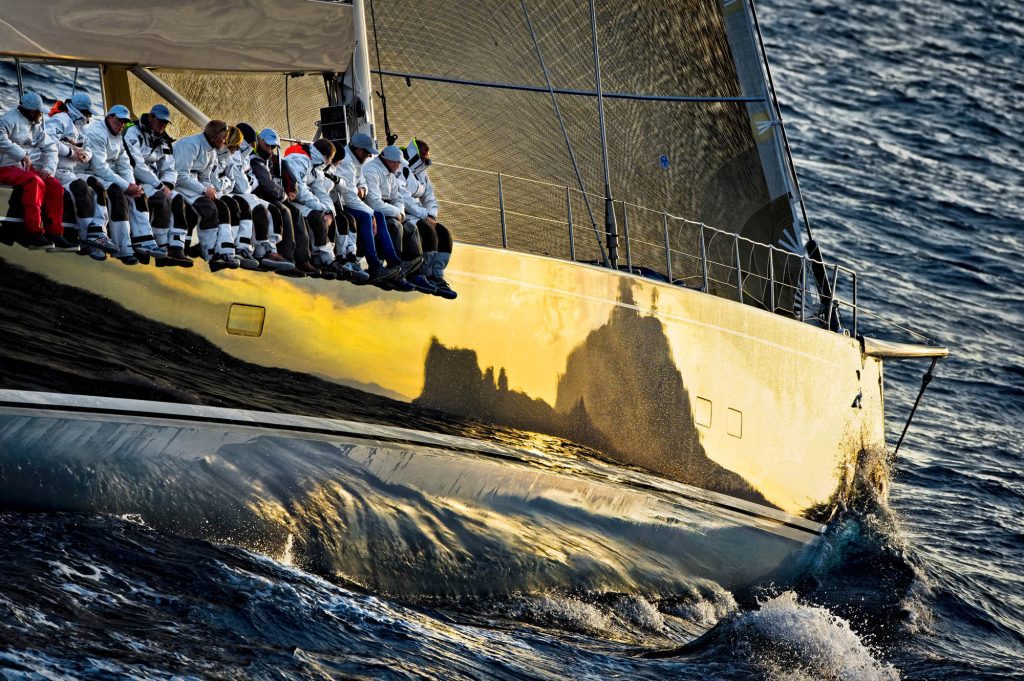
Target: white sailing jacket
(153, 164)
(109, 162)
(325, 182)
(309, 190)
(334, 185)
(66, 131)
(195, 161)
(223, 174)
(19, 138)
(350, 172)
(417, 192)
(241, 171)
(382, 192)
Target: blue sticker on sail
(664, 161)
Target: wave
(792, 640)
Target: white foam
(562, 611)
(639, 612)
(705, 605)
(792, 641)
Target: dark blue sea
(906, 123)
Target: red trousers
(42, 198)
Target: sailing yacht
(679, 326)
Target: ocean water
(905, 122)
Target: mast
(173, 97)
(611, 230)
(362, 89)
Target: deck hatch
(246, 320)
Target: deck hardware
(739, 266)
(568, 217)
(668, 250)
(501, 210)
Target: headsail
(716, 162)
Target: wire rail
(806, 289)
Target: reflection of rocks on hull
(621, 394)
(455, 384)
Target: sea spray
(793, 640)
(564, 612)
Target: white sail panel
(246, 35)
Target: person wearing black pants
(421, 206)
(303, 184)
(80, 210)
(214, 239)
(195, 161)
(238, 210)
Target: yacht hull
(763, 416)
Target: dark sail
(712, 162)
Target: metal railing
(679, 251)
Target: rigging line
(925, 380)
(565, 133)
(287, 112)
(567, 91)
(383, 99)
(782, 125)
(21, 80)
(74, 84)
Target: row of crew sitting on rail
(135, 193)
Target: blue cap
(361, 140)
(31, 100)
(121, 111)
(269, 135)
(391, 153)
(160, 112)
(81, 101)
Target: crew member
(110, 175)
(344, 228)
(370, 226)
(22, 137)
(421, 206)
(306, 192)
(265, 166)
(253, 239)
(384, 196)
(64, 125)
(149, 150)
(195, 161)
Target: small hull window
(246, 320)
(702, 412)
(734, 423)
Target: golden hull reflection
(695, 388)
